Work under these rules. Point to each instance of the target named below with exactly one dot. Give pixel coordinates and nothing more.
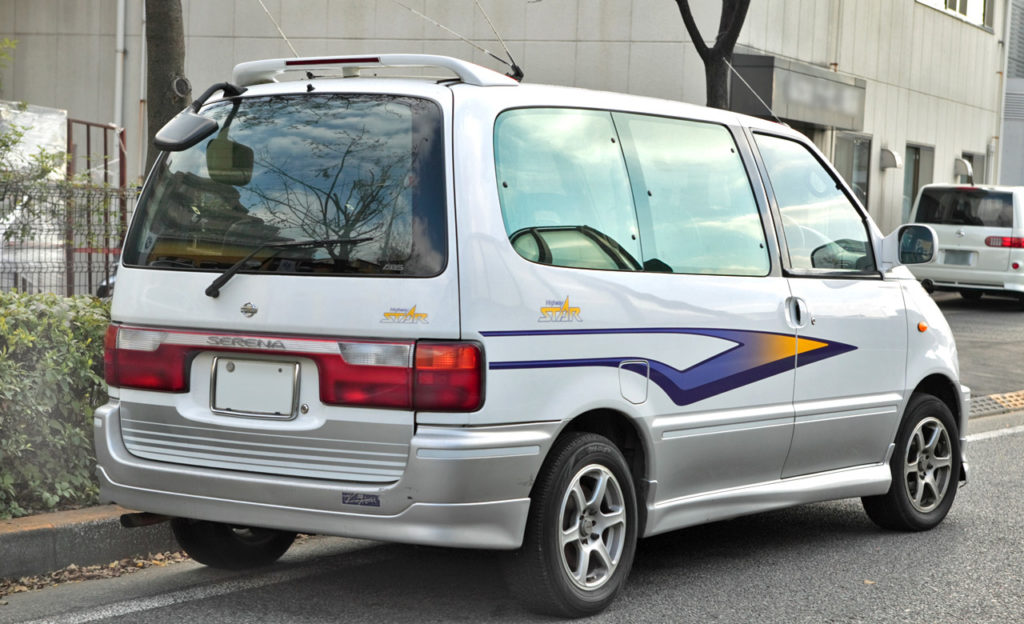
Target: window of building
(977, 12)
(852, 158)
(917, 171)
(977, 162)
(989, 13)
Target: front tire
(581, 532)
(925, 469)
(230, 547)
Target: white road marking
(995, 433)
(200, 592)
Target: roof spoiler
(253, 72)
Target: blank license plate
(962, 258)
(254, 387)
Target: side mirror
(185, 130)
(909, 244)
(228, 162)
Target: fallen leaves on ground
(74, 573)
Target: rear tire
(925, 469)
(581, 532)
(230, 547)
(971, 295)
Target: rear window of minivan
(965, 206)
(333, 184)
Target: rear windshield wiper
(213, 290)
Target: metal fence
(62, 238)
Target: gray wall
(932, 79)
(1013, 134)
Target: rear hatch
(971, 223)
(286, 283)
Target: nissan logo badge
(249, 310)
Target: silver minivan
(463, 311)
(981, 239)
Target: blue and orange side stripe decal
(754, 356)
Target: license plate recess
(958, 257)
(254, 388)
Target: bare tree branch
(691, 27)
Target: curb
(997, 404)
(43, 543)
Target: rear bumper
(462, 487)
(944, 277)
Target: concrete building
(1013, 119)
(897, 92)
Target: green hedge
(51, 378)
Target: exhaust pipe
(142, 519)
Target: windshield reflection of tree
(334, 168)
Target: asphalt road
(989, 337)
(815, 563)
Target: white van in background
(468, 312)
(981, 239)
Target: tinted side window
(965, 207)
(683, 204)
(563, 188)
(823, 229)
(697, 211)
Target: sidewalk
(48, 542)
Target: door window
(823, 229)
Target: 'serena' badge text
(555, 311)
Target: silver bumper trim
(496, 524)
(465, 487)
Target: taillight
(449, 377)
(1014, 242)
(139, 358)
(372, 374)
(424, 376)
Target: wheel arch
(943, 388)
(626, 435)
(946, 390)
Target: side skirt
(663, 516)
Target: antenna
(751, 89)
(516, 73)
(274, 22)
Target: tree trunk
(165, 68)
(718, 56)
(716, 78)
